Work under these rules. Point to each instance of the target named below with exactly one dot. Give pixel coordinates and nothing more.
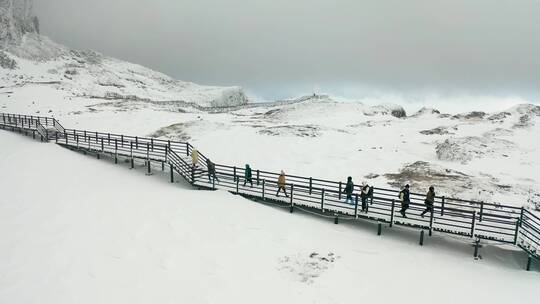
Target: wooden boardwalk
(478, 221)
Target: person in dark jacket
(430, 200)
(211, 170)
(248, 176)
(364, 196)
(349, 188)
(405, 200)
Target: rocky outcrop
(16, 20)
(6, 62)
(527, 114)
(475, 115)
(436, 131)
(426, 111)
(386, 109)
(465, 149)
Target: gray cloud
(276, 47)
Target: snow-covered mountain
(28, 58)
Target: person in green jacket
(248, 176)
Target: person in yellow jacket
(194, 157)
(281, 184)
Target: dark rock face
(399, 113)
(470, 115)
(436, 131)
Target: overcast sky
(277, 48)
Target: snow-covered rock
(464, 149)
(426, 111)
(386, 109)
(474, 115)
(16, 20)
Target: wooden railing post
(481, 211)
(516, 232)
(431, 221)
(257, 177)
(392, 213)
(521, 216)
(263, 182)
(356, 206)
(115, 151)
(172, 173)
(339, 195)
(442, 206)
(310, 185)
(473, 223)
(322, 200)
(234, 173)
(292, 202)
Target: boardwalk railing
(43, 127)
(475, 220)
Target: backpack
(370, 192)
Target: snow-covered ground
(75, 229)
(487, 157)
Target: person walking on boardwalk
(349, 188)
(194, 157)
(430, 200)
(405, 200)
(248, 176)
(364, 195)
(211, 171)
(281, 184)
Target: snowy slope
(27, 58)
(101, 233)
